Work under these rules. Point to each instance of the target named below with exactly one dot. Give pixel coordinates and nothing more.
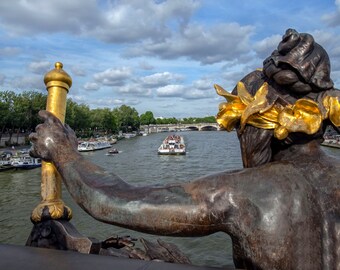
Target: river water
(138, 163)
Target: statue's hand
(52, 139)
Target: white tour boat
(25, 162)
(332, 141)
(93, 146)
(129, 135)
(172, 145)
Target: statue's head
(287, 102)
(300, 64)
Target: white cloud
(266, 46)
(151, 20)
(198, 94)
(203, 84)
(207, 45)
(91, 86)
(29, 83)
(40, 67)
(111, 21)
(134, 89)
(161, 79)
(331, 43)
(113, 76)
(171, 91)
(113, 103)
(333, 18)
(40, 16)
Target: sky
(153, 55)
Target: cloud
(266, 46)
(9, 51)
(333, 18)
(113, 76)
(167, 105)
(151, 20)
(2, 79)
(40, 16)
(40, 67)
(158, 28)
(198, 94)
(331, 44)
(29, 83)
(111, 21)
(134, 89)
(171, 91)
(109, 102)
(208, 45)
(91, 86)
(203, 84)
(160, 79)
(78, 71)
(145, 66)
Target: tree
(103, 120)
(147, 118)
(127, 118)
(77, 116)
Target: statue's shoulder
(252, 81)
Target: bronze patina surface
(282, 211)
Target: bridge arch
(208, 128)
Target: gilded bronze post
(58, 83)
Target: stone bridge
(180, 127)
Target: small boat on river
(172, 145)
(112, 152)
(93, 146)
(332, 141)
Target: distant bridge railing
(180, 127)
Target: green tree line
(19, 114)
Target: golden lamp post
(57, 82)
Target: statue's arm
(176, 209)
(191, 209)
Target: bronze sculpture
(281, 214)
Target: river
(138, 163)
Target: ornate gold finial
(58, 77)
(57, 82)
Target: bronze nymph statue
(282, 211)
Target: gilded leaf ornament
(304, 116)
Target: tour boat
(25, 162)
(5, 165)
(172, 145)
(5, 161)
(93, 146)
(332, 141)
(129, 135)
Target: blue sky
(162, 56)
